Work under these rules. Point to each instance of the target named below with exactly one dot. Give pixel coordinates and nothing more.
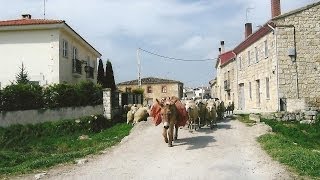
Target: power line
(177, 59)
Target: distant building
(188, 93)
(197, 93)
(276, 68)
(154, 88)
(213, 88)
(51, 51)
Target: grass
(245, 119)
(295, 145)
(28, 148)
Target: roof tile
(21, 22)
(149, 80)
(226, 57)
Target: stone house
(154, 88)
(51, 51)
(226, 80)
(278, 67)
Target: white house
(51, 51)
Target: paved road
(227, 152)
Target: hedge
(30, 96)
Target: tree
(22, 76)
(100, 76)
(109, 78)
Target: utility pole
(44, 9)
(139, 68)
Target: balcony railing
(77, 66)
(90, 71)
(227, 85)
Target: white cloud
(185, 29)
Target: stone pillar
(107, 113)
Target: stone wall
(300, 78)
(43, 115)
(305, 116)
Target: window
(75, 53)
(256, 53)
(149, 89)
(267, 88)
(266, 50)
(250, 90)
(76, 63)
(240, 63)
(164, 89)
(65, 48)
(88, 61)
(229, 96)
(249, 60)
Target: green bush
(65, 95)
(61, 95)
(21, 97)
(138, 91)
(31, 96)
(89, 93)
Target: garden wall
(43, 115)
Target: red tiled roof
(21, 22)
(265, 29)
(150, 80)
(226, 57)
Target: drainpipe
(275, 32)
(277, 66)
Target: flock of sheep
(200, 113)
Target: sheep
(131, 112)
(211, 114)
(193, 113)
(141, 114)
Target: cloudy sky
(187, 29)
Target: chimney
(275, 8)
(248, 29)
(26, 16)
(222, 46)
(219, 50)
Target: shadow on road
(196, 142)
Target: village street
(227, 152)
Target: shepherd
(172, 113)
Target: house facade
(154, 88)
(226, 81)
(277, 67)
(51, 51)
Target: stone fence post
(107, 112)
